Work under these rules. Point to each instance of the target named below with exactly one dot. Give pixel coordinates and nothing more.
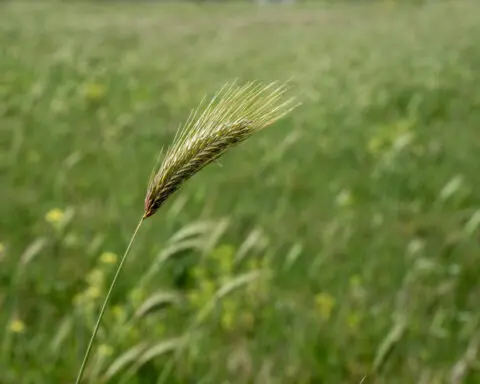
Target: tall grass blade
(105, 303)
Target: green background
(342, 242)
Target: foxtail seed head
(233, 114)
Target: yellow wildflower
(2, 251)
(17, 326)
(105, 350)
(108, 258)
(95, 277)
(118, 312)
(93, 292)
(94, 92)
(55, 216)
(325, 304)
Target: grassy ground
(340, 243)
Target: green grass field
(342, 242)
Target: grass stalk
(106, 301)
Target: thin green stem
(105, 303)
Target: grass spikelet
(232, 115)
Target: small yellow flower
(17, 326)
(95, 278)
(108, 258)
(2, 251)
(93, 292)
(94, 92)
(325, 304)
(118, 312)
(55, 216)
(105, 350)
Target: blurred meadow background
(341, 244)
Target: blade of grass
(105, 302)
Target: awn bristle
(234, 114)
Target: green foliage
(340, 243)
